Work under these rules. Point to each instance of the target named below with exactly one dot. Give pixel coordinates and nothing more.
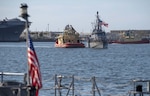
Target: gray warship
(11, 29)
(98, 38)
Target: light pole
(48, 27)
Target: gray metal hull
(98, 44)
(15, 87)
(98, 40)
(10, 31)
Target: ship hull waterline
(97, 45)
(132, 42)
(70, 45)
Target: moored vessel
(98, 37)
(69, 39)
(11, 29)
(130, 37)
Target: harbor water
(114, 68)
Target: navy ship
(11, 29)
(98, 38)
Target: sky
(54, 15)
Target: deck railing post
(93, 87)
(55, 84)
(59, 84)
(73, 85)
(148, 86)
(2, 77)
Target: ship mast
(98, 22)
(25, 15)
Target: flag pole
(27, 34)
(24, 15)
(34, 80)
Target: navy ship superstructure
(11, 29)
(98, 38)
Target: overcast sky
(119, 14)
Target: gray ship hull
(98, 44)
(10, 31)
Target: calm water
(113, 68)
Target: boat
(98, 38)
(11, 29)
(69, 39)
(130, 37)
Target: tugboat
(98, 37)
(69, 39)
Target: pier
(112, 35)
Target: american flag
(103, 23)
(34, 67)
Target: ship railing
(65, 86)
(11, 87)
(10, 74)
